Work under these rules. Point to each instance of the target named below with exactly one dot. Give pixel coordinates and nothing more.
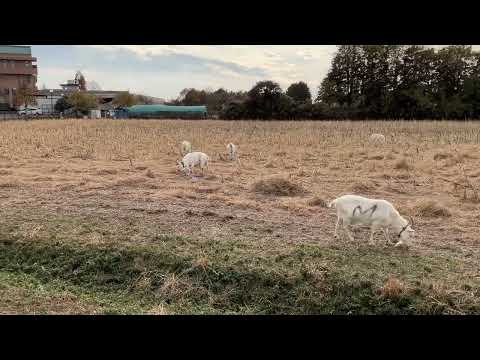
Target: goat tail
(332, 204)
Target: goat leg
(372, 232)
(385, 232)
(335, 234)
(347, 230)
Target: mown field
(95, 219)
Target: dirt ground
(123, 174)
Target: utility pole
(51, 101)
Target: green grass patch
(54, 270)
(308, 280)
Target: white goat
(186, 147)
(377, 139)
(193, 159)
(379, 214)
(232, 151)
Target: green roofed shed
(166, 111)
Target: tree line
(403, 82)
(82, 102)
(364, 82)
(266, 100)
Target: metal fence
(4, 116)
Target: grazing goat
(186, 148)
(193, 159)
(232, 151)
(377, 139)
(379, 214)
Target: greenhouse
(167, 111)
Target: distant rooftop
(14, 49)
(62, 92)
(166, 108)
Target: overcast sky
(164, 70)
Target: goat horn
(411, 221)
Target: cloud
(55, 74)
(305, 55)
(164, 70)
(275, 62)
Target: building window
(27, 64)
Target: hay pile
(317, 201)
(277, 186)
(431, 209)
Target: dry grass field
(95, 219)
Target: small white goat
(379, 214)
(232, 151)
(186, 148)
(377, 139)
(193, 159)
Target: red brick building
(18, 70)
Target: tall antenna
(80, 80)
